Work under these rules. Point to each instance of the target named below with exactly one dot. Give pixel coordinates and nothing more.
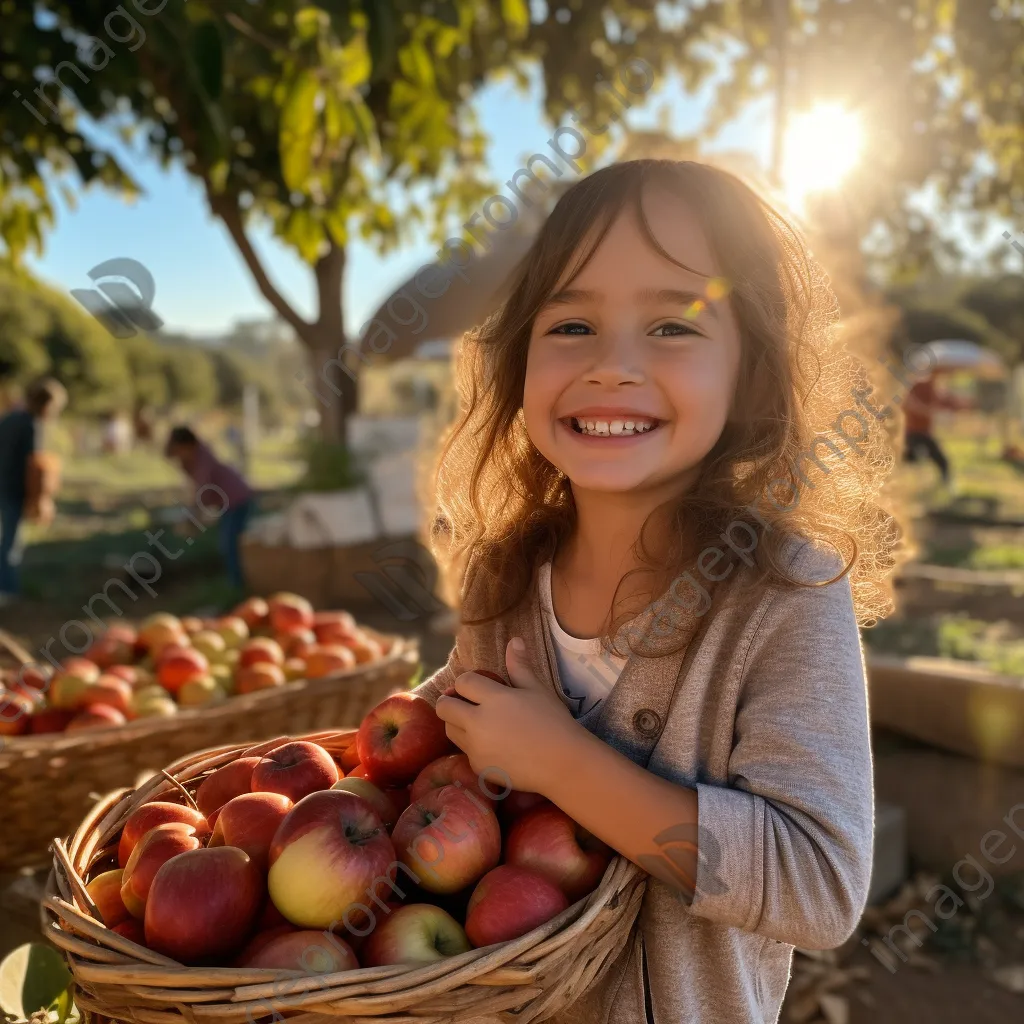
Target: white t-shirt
(587, 673)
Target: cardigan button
(647, 722)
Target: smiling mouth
(618, 427)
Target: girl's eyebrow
(694, 301)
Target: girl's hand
(520, 730)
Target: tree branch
(247, 30)
(226, 207)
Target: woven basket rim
(151, 983)
(134, 729)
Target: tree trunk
(335, 391)
(336, 368)
(334, 364)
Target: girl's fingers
(520, 668)
(458, 736)
(454, 711)
(476, 687)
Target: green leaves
(516, 14)
(298, 129)
(34, 978)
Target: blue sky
(203, 286)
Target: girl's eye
(573, 327)
(674, 330)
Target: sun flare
(821, 147)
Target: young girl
(659, 508)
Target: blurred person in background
(28, 476)
(220, 493)
(923, 400)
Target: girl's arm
(785, 849)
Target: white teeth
(606, 428)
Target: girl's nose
(617, 360)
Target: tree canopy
(335, 119)
(43, 331)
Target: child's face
(626, 343)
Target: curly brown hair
(501, 508)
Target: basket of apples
(140, 697)
(367, 874)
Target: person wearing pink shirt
(221, 493)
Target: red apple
(366, 927)
(271, 917)
(294, 668)
(287, 610)
(129, 673)
(365, 650)
(230, 780)
(81, 667)
(260, 649)
(158, 631)
(295, 770)
(249, 822)
(328, 851)
(132, 930)
(96, 716)
(323, 661)
(448, 839)
(446, 771)
(68, 685)
(253, 611)
(519, 802)
(548, 841)
(203, 904)
(297, 643)
(179, 665)
(399, 738)
(31, 681)
(313, 952)
(115, 646)
(261, 676)
(233, 629)
(151, 852)
(15, 714)
(509, 902)
(105, 890)
(335, 631)
(263, 936)
(51, 720)
(419, 933)
(210, 644)
(338, 620)
(109, 689)
(375, 797)
(148, 816)
(192, 624)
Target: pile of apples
(384, 849)
(170, 663)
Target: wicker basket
(535, 976)
(50, 781)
